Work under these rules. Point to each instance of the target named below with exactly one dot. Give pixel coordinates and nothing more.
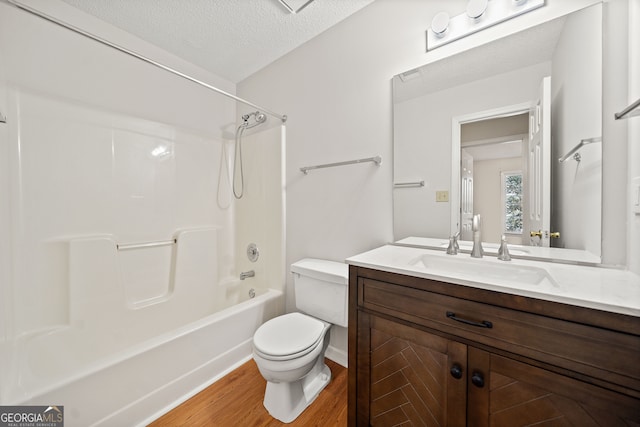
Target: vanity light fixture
(480, 14)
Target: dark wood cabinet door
(516, 394)
(415, 378)
(540, 364)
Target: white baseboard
(339, 356)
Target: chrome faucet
(246, 274)
(503, 252)
(453, 247)
(476, 251)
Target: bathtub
(138, 385)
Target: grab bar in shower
(377, 160)
(146, 245)
(409, 184)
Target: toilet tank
(321, 289)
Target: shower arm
(129, 52)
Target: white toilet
(289, 349)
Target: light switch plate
(442, 196)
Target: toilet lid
(288, 334)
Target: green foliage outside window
(513, 203)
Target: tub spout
(246, 274)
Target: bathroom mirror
(482, 132)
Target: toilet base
(285, 401)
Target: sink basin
(497, 272)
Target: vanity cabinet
(424, 352)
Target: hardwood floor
(236, 400)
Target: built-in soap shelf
(108, 316)
(106, 275)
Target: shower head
(258, 117)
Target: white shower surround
(100, 150)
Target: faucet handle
(453, 247)
(503, 251)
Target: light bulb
(440, 24)
(475, 8)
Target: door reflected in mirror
(493, 161)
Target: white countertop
(601, 288)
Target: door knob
(555, 235)
(536, 233)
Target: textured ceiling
(231, 38)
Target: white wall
(615, 146)
(336, 90)
(576, 115)
(487, 195)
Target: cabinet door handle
(456, 371)
(477, 379)
(483, 324)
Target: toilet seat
(289, 336)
